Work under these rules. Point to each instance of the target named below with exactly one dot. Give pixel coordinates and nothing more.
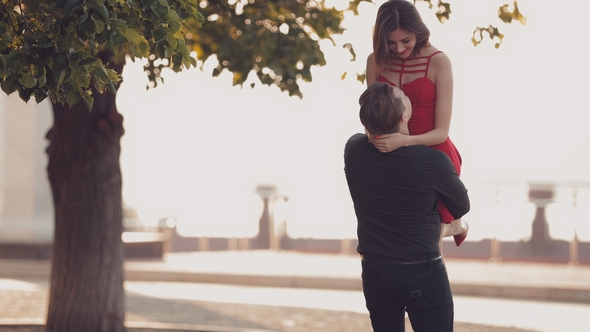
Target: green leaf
(120, 24)
(160, 50)
(159, 35)
(101, 9)
(62, 77)
(354, 4)
(161, 11)
(8, 87)
(41, 81)
(116, 40)
(73, 4)
(173, 20)
(78, 44)
(25, 94)
(88, 100)
(13, 56)
(506, 16)
(48, 23)
(93, 47)
(349, 47)
(133, 36)
(169, 52)
(3, 67)
(172, 41)
(83, 18)
(72, 98)
(100, 73)
(82, 79)
(99, 25)
(72, 27)
(98, 85)
(28, 81)
(88, 61)
(40, 95)
(61, 62)
(113, 76)
(144, 48)
(182, 49)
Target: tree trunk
(86, 292)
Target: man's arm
(450, 188)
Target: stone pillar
(266, 233)
(26, 208)
(541, 195)
(267, 237)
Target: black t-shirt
(395, 198)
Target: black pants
(422, 290)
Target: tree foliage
(443, 13)
(506, 16)
(50, 49)
(277, 40)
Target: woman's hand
(389, 142)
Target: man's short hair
(380, 110)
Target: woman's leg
(457, 228)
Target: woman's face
(401, 43)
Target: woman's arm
(441, 74)
(370, 72)
(443, 80)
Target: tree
(73, 51)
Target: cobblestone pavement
(31, 303)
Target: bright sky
(197, 148)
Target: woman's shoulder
(438, 58)
(432, 52)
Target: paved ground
(26, 303)
(23, 289)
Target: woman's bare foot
(459, 238)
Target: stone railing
(531, 221)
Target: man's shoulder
(356, 144)
(356, 139)
(426, 152)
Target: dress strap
(419, 64)
(428, 62)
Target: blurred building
(26, 208)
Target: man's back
(395, 198)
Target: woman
(403, 57)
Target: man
(395, 200)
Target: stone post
(266, 238)
(541, 195)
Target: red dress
(422, 94)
